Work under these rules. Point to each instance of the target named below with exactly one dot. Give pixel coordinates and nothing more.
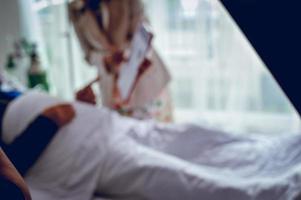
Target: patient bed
(205, 163)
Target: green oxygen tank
(37, 77)
(10, 62)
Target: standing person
(106, 30)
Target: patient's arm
(12, 186)
(60, 114)
(25, 150)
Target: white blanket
(127, 159)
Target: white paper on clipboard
(129, 70)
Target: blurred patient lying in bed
(80, 151)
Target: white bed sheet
(102, 151)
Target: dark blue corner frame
(274, 29)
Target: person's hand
(86, 94)
(61, 114)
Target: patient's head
(12, 186)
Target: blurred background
(218, 80)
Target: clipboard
(129, 70)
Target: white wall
(9, 27)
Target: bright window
(218, 79)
